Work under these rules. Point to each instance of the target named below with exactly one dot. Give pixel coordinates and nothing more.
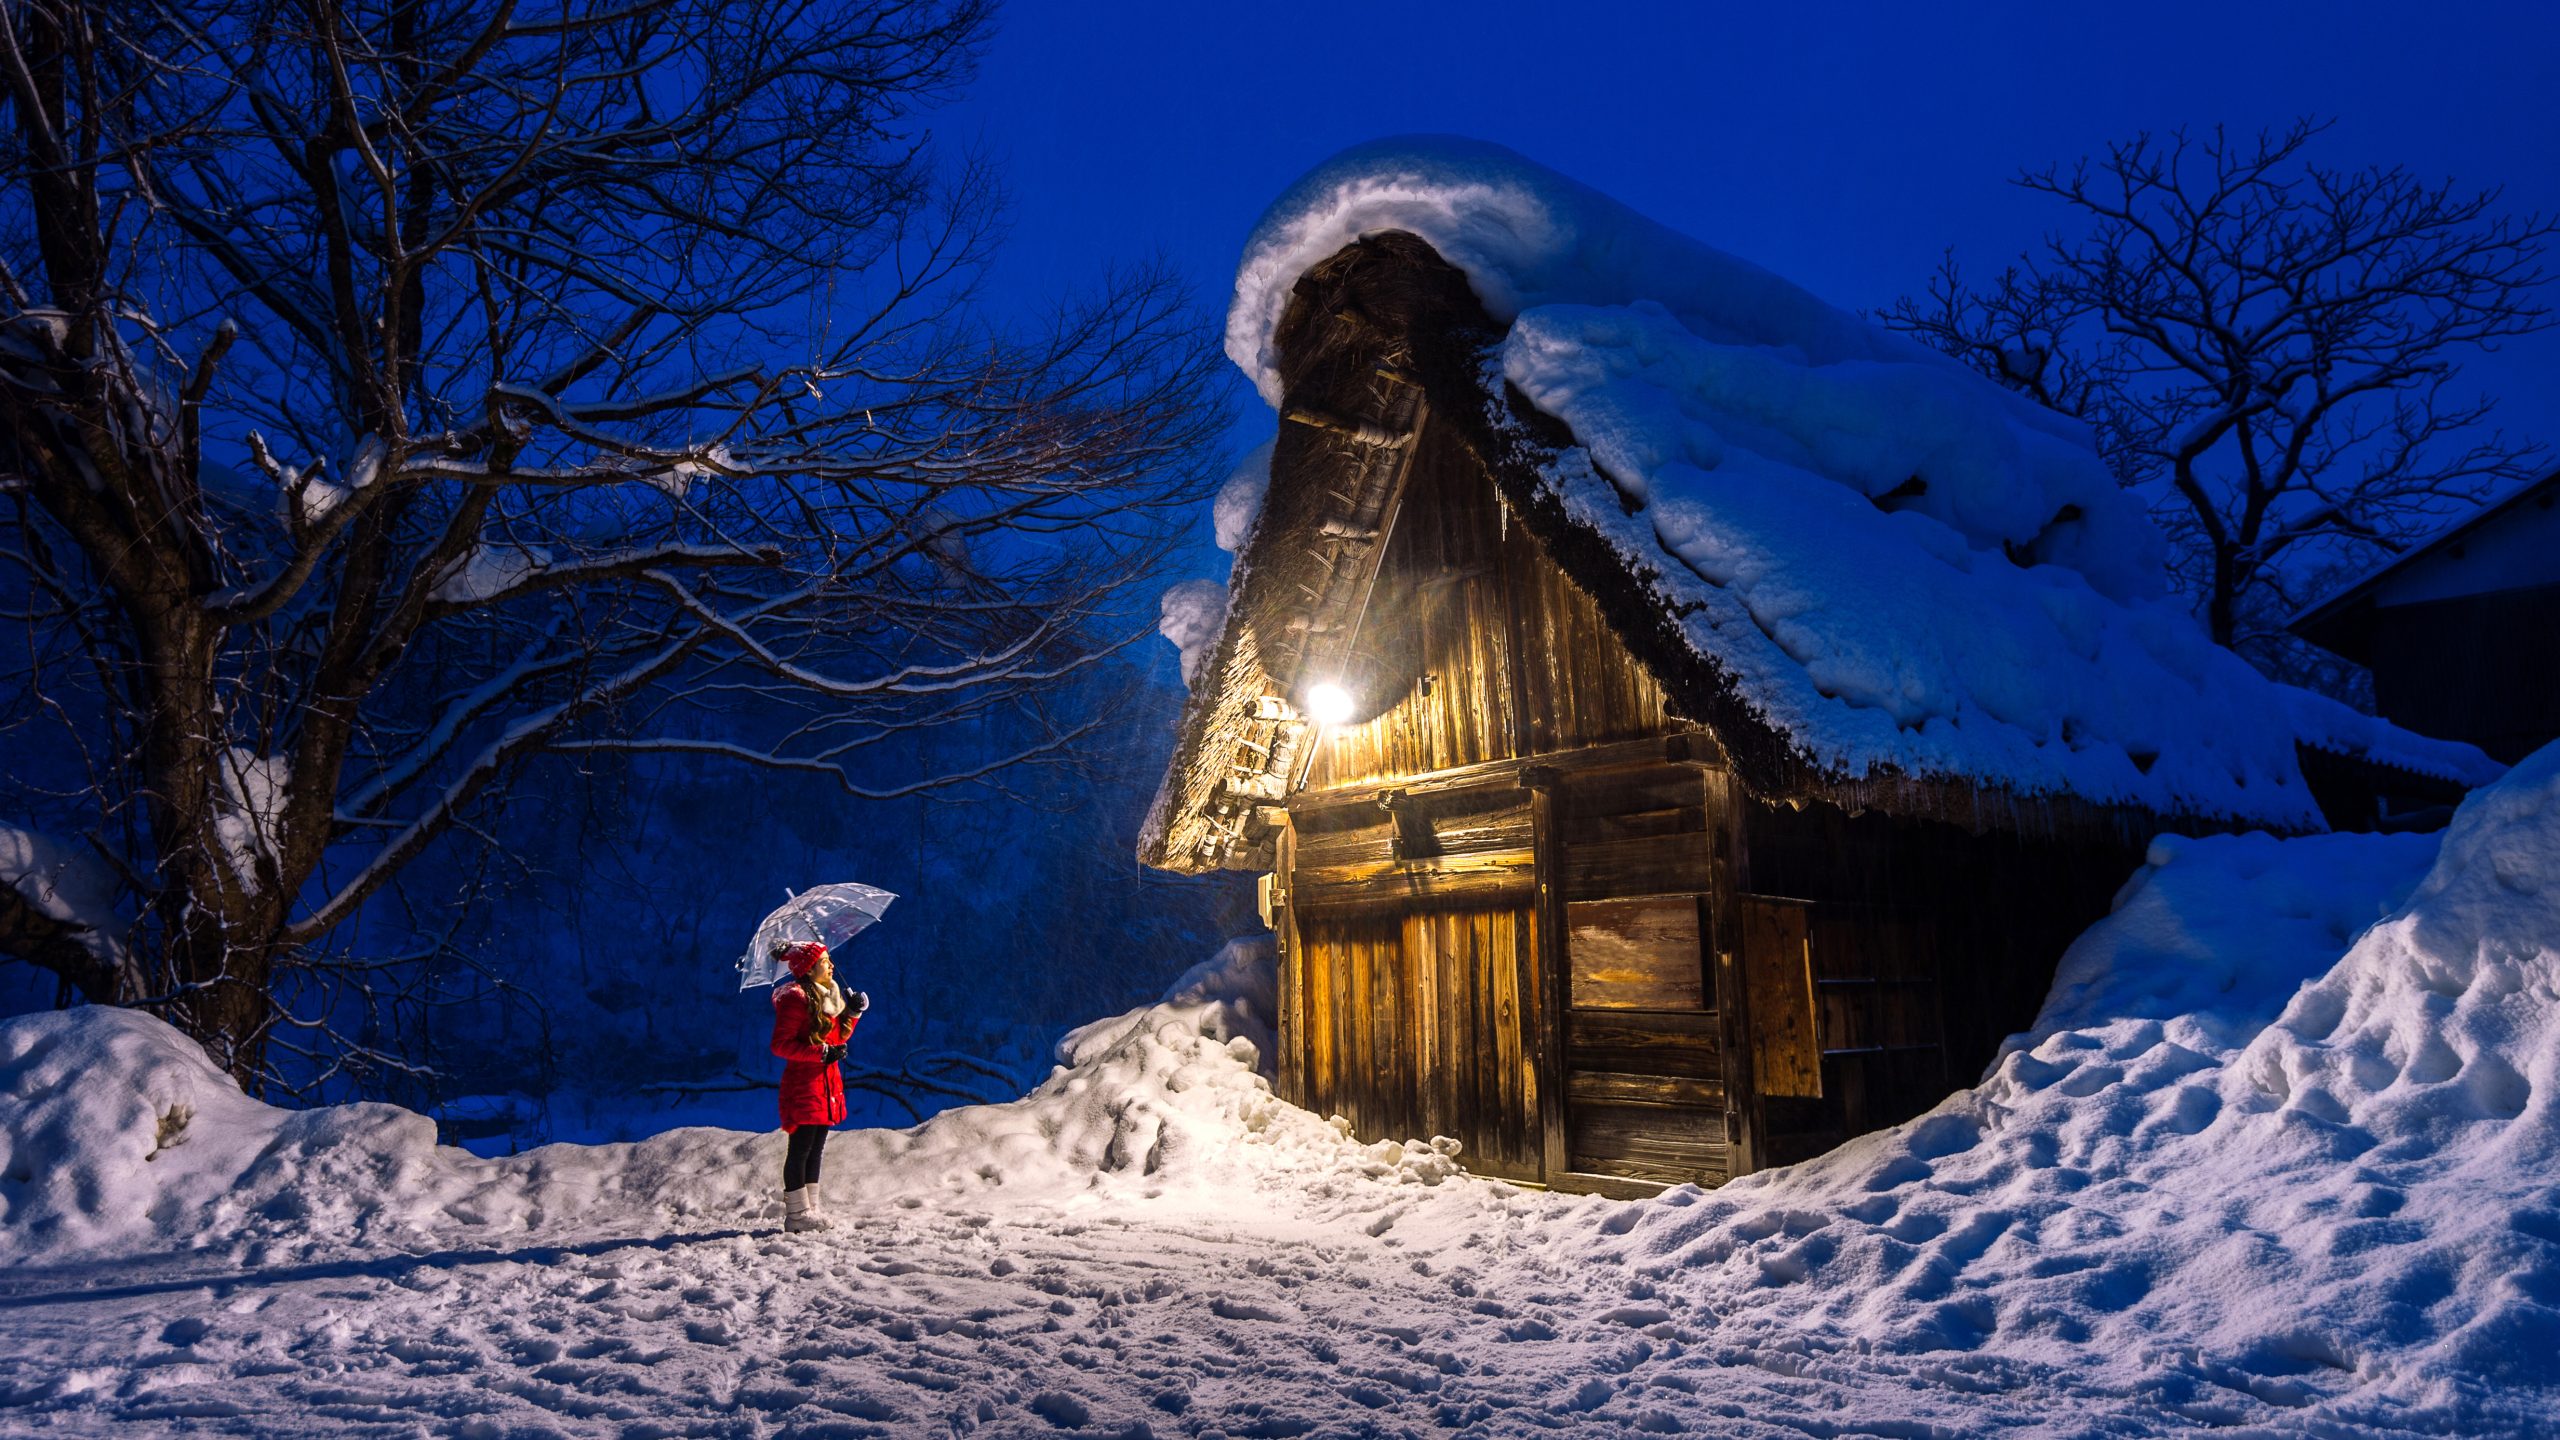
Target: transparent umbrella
(828, 914)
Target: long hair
(825, 1001)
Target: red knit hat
(803, 957)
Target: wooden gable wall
(1481, 647)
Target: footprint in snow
(1061, 1409)
(1589, 1395)
(1226, 1309)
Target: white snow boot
(797, 1213)
(817, 1205)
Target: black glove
(855, 1002)
(834, 1053)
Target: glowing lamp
(1328, 703)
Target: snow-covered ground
(2280, 1159)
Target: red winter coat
(812, 1091)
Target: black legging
(800, 1159)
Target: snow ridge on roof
(1903, 565)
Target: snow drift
(1899, 563)
(2228, 1161)
(119, 1137)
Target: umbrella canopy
(828, 914)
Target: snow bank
(119, 1137)
(1900, 563)
(1164, 1101)
(2229, 1158)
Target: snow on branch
(493, 573)
(57, 909)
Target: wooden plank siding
(1432, 661)
(2481, 668)
(1638, 953)
(1289, 1067)
(1580, 686)
(1928, 945)
(1475, 646)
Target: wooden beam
(1496, 774)
(1361, 432)
(1746, 1125)
(1289, 1066)
(1615, 1187)
(1489, 877)
(1549, 920)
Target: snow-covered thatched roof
(1896, 567)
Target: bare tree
(395, 394)
(2270, 348)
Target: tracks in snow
(917, 1323)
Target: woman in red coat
(812, 1019)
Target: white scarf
(824, 995)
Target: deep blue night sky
(1843, 145)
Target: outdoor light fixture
(1328, 703)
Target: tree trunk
(224, 881)
(225, 894)
(229, 1014)
(2222, 605)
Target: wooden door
(1645, 1091)
(1412, 1027)
(1845, 1019)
